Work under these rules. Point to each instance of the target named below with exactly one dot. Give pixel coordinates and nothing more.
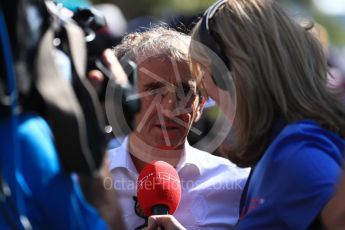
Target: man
(171, 102)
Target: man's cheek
(186, 119)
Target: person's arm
(102, 196)
(166, 222)
(333, 214)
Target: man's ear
(200, 109)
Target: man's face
(169, 102)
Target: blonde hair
(279, 70)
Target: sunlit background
(328, 13)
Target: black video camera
(98, 39)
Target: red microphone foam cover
(158, 184)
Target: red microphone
(159, 189)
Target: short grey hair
(158, 41)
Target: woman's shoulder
(311, 128)
(307, 134)
(305, 143)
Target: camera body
(98, 38)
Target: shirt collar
(189, 158)
(120, 158)
(123, 159)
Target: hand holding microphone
(159, 194)
(166, 222)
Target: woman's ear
(200, 109)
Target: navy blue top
(52, 197)
(294, 179)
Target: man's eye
(189, 91)
(185, 93)
(186, 90)
(182, 91)
(154, 90)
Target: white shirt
(211, 188)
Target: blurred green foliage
(160, 8)
(135, 8)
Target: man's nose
(169, 105)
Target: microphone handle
(160, 209)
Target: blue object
(294, 179)
(73, 5)
(53, 198)
(210, 103)
(11, 171)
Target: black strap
(220, 76)
(71, 110)
(140, 214)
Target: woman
(289, 128)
